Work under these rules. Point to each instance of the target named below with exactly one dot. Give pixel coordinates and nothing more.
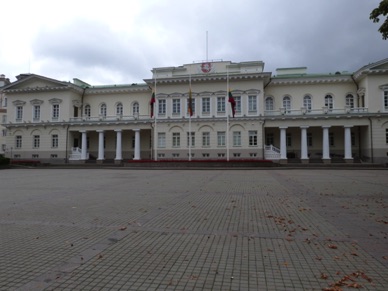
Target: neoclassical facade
(203, 111)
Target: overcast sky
(120, 41)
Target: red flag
(190, 107)
(152, 102)
(232, 103)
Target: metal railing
(324, 110)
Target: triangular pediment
(380, 67)
(383, 66)
(35, 82)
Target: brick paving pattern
(124, 229)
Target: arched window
(349, 101)
(269, 103)
(307, 102)
(287, 104)
(119, 109)
(103, 110)
(87, 110)
(329, 102)
(135, 108)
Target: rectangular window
(35, 156)
(175, 155)
(161, 140)
(269, 139)
(252, 137)
(386, 135)
(54, 141)
(205, 155)
(253, 155)
(236, 138)
(252, 103)
(221, 138)
(205, 139)
(192, 105)
(353, 138)
(87, 110)
(55, 111)
(36, 113)
(119, 109)
(4, 119)
(206, 105)
(162, 106)
(220, 104)
(289, 139)
(19, 113)
(349, 101)
(18, 141)
(309, 139)
(4, 132)
(36, 141)
(237, 99)
(236, 155)
(386, 100)
(53, 156)
(176, 139)
(221, 155)
(176, 106)
(191, 138)
(307, 103)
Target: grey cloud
(325, 36)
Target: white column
(83, 145)
(325, 143)
(100, 145)
(348, 143)
(118, 145)
(283, 145)
(137, 144)
(303, 143)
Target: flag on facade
(232, 103)
(190, 105)
(152, 102)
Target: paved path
(120, 229)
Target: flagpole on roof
(227, 113)
(155, 132)
(190, 113)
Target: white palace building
(289, 115)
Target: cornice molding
(209, 78)
(35, 89)
(308, 81)
(205, 120)
(219, 93)
(120, 90)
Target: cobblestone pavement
(120, 229)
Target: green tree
(375, 14)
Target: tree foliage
(382, 10)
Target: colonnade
(325, 144)
(101, 149)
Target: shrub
(4, 160)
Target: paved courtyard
(123, 229)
